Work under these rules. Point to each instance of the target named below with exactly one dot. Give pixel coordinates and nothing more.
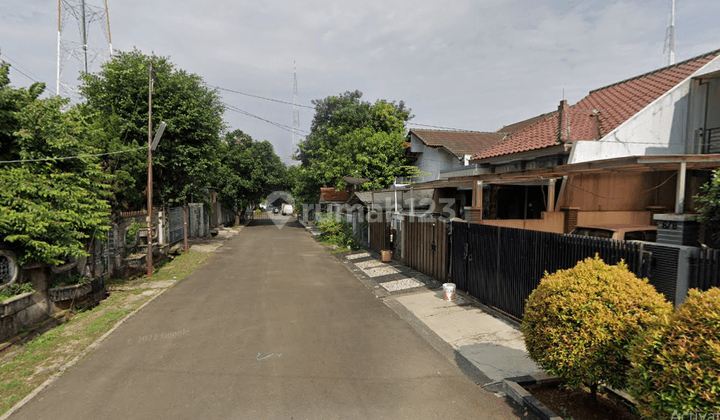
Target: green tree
(351, 137)
(708, 206)
(49, 206)
(249, 171)
(187, 157)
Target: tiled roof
(333, 195)
(600, 112)
(459, 143)
(512, 128)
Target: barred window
(5, 269)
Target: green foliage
(12, 290)
(337, 231)
(351, 137)
(48, 208)
(187, 156)
(249, 171)
(708, 205)
(579, 323)
(69, 280)
(677, 367)
(131, 236)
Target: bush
(677, 367)
(708, 206)
(579, 323)
(14, 289)
(336, 231)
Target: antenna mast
(79, 48)
(670, 36)
(296, 113)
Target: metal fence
(501, 266)
(705, 269)
(424, 242)
(175, 225)
(379, 231)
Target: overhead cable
(72, 157)
(278, 125)
(257, 96)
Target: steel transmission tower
(78, 46)
(670, 36)
(296, 113)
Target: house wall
(659, 129)
(664, 127)
(586, 218)
(432, 160)
(549, 222)
(621, 191)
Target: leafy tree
(249, 171)
(708, 208)
(351, 137)
(49, 206)
(187, 156)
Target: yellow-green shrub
(579, 323)
(677, 367)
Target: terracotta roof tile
(512, 128)
(615, 104)
(459, 143)
(331, 194)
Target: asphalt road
(271, 327)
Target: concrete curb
(442, 347)
(513, 387)
(77, 358)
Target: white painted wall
(661, 128)
(432, 160)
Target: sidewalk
(488, 348)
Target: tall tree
(351, 137)
(249, 171)
(54, 198)
(187, 156)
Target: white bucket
(449, 291)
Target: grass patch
(42, 357)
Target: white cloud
(468, 64)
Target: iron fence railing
(501, 266)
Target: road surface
(271, 327)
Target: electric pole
(150, 176)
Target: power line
(258, 97)
(72, 157)
(278, 125)
(438, 126)
(17, 69)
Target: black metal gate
(501, 266)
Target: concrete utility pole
(150, 177)
(670, 36)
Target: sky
(472, 65)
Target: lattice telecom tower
(83, 52)
(670, 36)
(296, 113)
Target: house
(435, 151)
(332, 199)
(621, 155)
